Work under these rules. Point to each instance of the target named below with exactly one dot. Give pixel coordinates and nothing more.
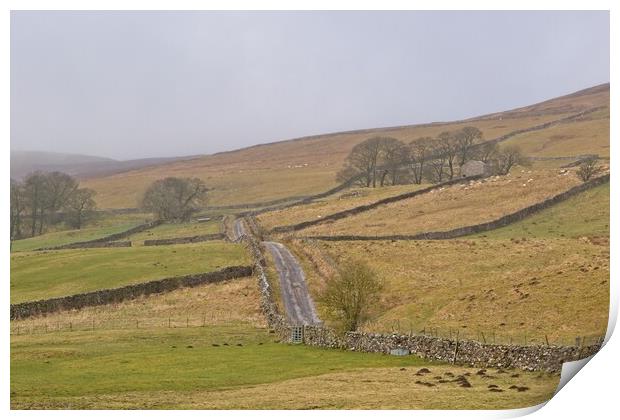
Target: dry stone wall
(102, 242)
(80, 245)
(481, 227)
(464, 352)
(348, 183)
(184, 240)
(371, 206)
(107, 296)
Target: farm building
(475, 168)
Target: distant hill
(81, 166)
(309, 165)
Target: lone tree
(509, 157)
(588, 168)
(174, 199)
(351, 295)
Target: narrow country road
(238, 229)
(297, 301)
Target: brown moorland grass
(232, 301)
(369, 388)
(309, 165)
(332, 204)
(455, 206)
(277, 170)
(521, 289)
(587, 136)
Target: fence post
(70, 326)
(456, 348)
(169, 322)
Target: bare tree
(34, 193)
(80, 207)
(351, 295)
(419, 151)
(174, 199)
(393, 157)
(365, 158)
(465, 139)
(486, 152)
(59, 188)
(436, 168)
(508, 157)
(588, 168)
(18, 207)
(448, 148)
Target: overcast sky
(143, 84)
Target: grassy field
(451, 207)
(333, 204)
(107, 224)
(176, 230)
(231, 362)
(234, 366)
(585, 215)
(42, 275)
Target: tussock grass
(333, 204)
(521, 290)
(455, 206)
(47, 274)
(233, 301)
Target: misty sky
(143, 84)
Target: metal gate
(297, 334)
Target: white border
(592, 394)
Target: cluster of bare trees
(380, 161)
(44, 199)
(174, 199)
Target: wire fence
(406, 327)
(81, 323)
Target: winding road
(238, 229)
(298, 304)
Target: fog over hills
(82, 166)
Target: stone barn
(475, 168)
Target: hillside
(25, 162)
(308, 165)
